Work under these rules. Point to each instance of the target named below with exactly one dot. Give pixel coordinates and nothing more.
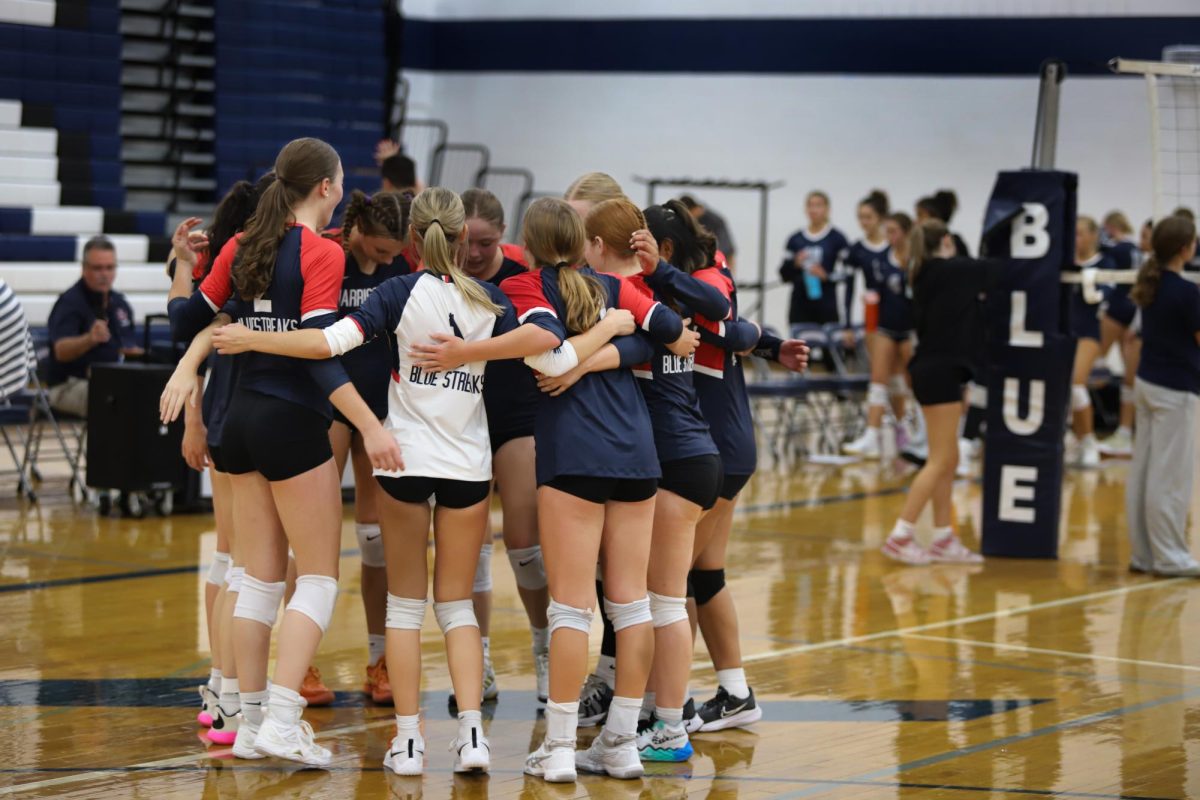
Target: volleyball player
(1084, 320)
(510, 395)
(373, 235)
(948, 315)
(1117, 327)
(276, 444)
(941, 205)
(877, 255)
(812, 257)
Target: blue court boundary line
(290, 770)
(155, 573)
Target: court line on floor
(1005, 741)
(1043, 651)
(828, 644)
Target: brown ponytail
(1171, 235)
(923, 242)
(384, 214)
(300, 166)
(440, 225)
(554, 235)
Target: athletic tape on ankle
(405, 613)
(625, 615)
(877, 394)
(315, 598)
(370, 544)
(234, 578)
(259, 600)
(455, 614)
(1080, 398)
(218, 568)
(667, 610)
(528, 567)
(564, 616)
(483, 570)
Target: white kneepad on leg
(315, 597)
(259, 601)
(564, 616)
(483, 570)
(370, 544)
(455, 614)
(1080, 398)
(877, 394)
(897, 386)
(234, 579)
(624, 615)
(405, 613)
(528, 568)
(666, 610)
(218, 569)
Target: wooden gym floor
(1067, 678)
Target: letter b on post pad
(1030, 227)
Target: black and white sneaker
(594, 700)
(725, 711)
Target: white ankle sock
(214, 680)
(562, 720)
(468, 720)
(734, 681)
(408, 726)
(376, 647)
(231, 702)
(647, 704)
(903, 530)
(623, 716)
(253, 706)
(285, 705)
(943, 534)
(541, 638)
(671, 717)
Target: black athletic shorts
(732, 485)
(501, 438)
(602, 490)
(275, 437)
(696, 479)
(216, 458)
(936, 382)
(445, 492)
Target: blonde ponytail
(439, 221)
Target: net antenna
(1173, 92)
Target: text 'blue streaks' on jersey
(438, 418)
(600, 426)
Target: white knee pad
(315, 597)
(259, 600)
(483, 570)
(624, 615)
(667, 610)
(405, 613)
(455, 614)
(562, 616)
(897, 386)
(1080, 398)
(1127, 395)
(370, 544)
(976, 395)
(528, 568)
(218, 568)
(877, 394)
(234, 579)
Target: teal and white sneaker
(663, 742)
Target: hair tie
(367, 201)
(562, 264)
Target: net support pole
(1155, 145)
(1045, 132)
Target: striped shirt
(16, 345)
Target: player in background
(1117, 326)
(1084, 320)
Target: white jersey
(438, 418)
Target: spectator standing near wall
(715, 223)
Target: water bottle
(812, 284)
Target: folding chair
(70, 443)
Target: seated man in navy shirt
(89, 324)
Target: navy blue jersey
(680, 430)
(824, 248)
(74, 313)
(1170, 354)
(510, 390)
(600, 427)
(1125, 255)
(369, 365)
(721, 384)
(1084, 317)
(303, 293)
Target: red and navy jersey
(303, 293)
(369, 365)
(826, 248)
(721, 384)
(510, 391)
(680, 430)
(600, 427)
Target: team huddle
(592, 378)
